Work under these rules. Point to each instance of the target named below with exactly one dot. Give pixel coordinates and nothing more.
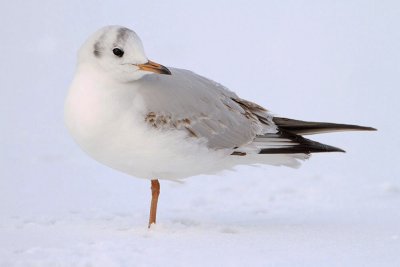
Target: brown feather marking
(249, 105)
(161, 121)
(191, 132)
(229, 107)
(238, 153)
(252, 110)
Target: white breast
(108, 123)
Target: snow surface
(325, 61)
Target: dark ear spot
(122, 35)
(96, 49)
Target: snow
(323, 61)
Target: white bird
(153, 122)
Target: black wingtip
(368, 128)
(334, 149)
(302, 145)
(309, 127)
(301, 150)
(356, 127)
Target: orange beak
(154, 67)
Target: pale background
(333, 61)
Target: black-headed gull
(154, 122)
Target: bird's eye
(118, 52)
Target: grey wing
(204, 109)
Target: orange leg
(155, 192)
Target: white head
(119, 52)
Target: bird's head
(118, 51)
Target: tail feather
(306, 127)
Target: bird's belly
(147, 153)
